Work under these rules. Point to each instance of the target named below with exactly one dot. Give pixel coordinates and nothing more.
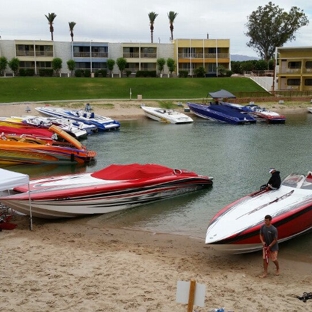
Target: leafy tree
(3, 65)
(160, 64)
(152, 16)
(121, 63)
(236, 67)
(270, 27)
(50, 17)
(261, 65)
(71, 66)
(57, 65)
(71, 29)
(110, 65)
(14, 65)
(171, 65)
(172, 15)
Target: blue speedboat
(221, 113)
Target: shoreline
(129, 109)
(79, 265)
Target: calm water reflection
(238, 157)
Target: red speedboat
(113, 188)
(236, 227)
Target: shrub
(87, 73)
(45, 72)
(78, 73)
(128, 73)
(22, 72)
(29, 72)
(146, 73)
(183, 73)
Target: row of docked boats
(235, 114)
(221, 112)
(50, 139)
(41, 146)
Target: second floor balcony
(92, 54)
(35, 53)
(203, 55)
(139, 55)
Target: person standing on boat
(268, 238)
(88, 107)
(274, 182)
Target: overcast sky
(127, 21)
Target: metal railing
(203, 55)
(92, 54)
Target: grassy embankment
(29, 89)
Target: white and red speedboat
(113, 188)
(236, 227)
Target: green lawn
(21, 89)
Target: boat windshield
(294, 180)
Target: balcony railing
(203, 55)
(25, 53)
(290, 71)
(37, 53)
(148, 55)
(131, 54)
(93, 54)
(44, 53)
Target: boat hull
(236, 227)
(85, 194)
(102, 123)
(19, 152)
(221, 113)
(166, 115)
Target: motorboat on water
(166, 115)
(40, 151)
(260, 113)
(113, 188)
(90, 118)
(221, 113)
(236, 227)
(77, 131)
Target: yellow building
(211, 54)
(294, 71)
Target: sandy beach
(129, 109)
(77, 265)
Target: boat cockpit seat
(309, 176)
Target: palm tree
(152, 16)
(50, 17)
(172, 15)
(71, 29)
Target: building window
(294, 65)
(308, 82)
(293, 82)
(308, 64)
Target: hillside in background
(241, 58)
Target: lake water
(237, 157)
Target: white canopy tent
(10, 179)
